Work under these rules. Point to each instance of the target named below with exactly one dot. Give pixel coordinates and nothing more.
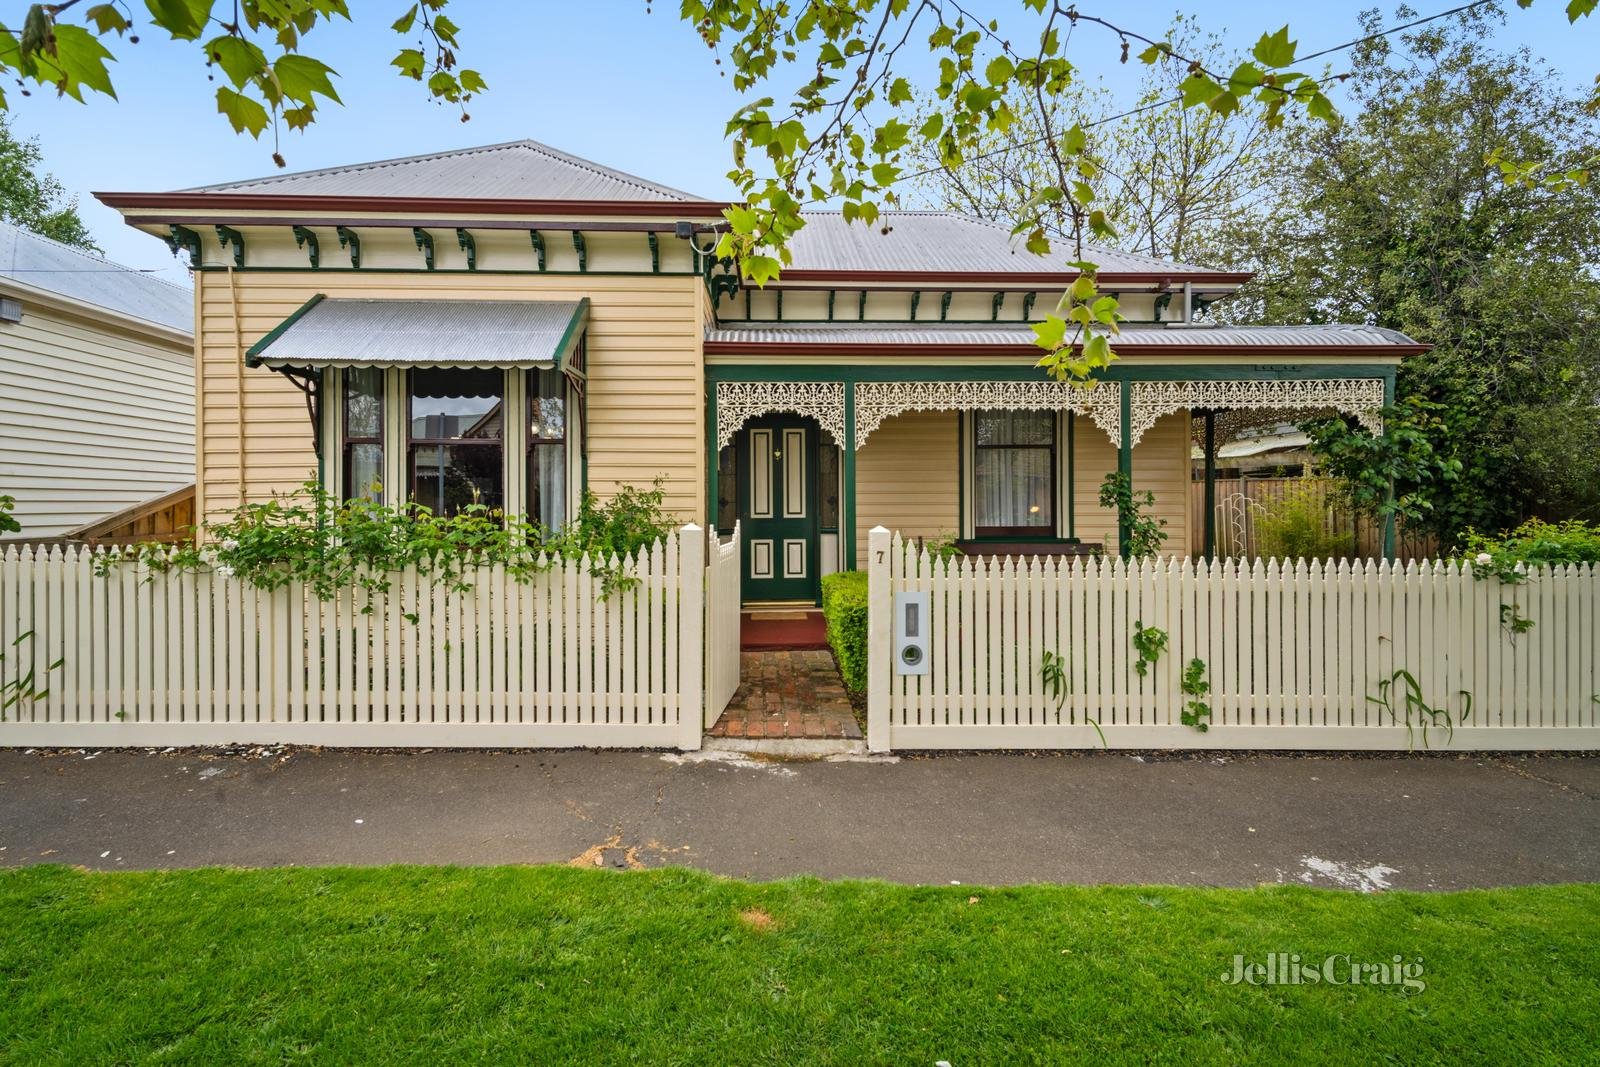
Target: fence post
(691, 635)
(880, 605)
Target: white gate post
(880, 651)
(691, 635)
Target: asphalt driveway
(1419, 822)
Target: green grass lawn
(549, 964)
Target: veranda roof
(328, 332)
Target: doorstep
(774, 630)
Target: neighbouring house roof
(38, 262)
(883, 338)
(918, 244)
(515, 170)
(424, 333)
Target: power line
(1179, 99)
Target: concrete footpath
(1366, 823)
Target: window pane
(547, 485)
(1015, 427)
(547, 405)
(448, 478)
(727, 489)
(456, 403)
(1012, 486)
(363, 472)
(828, 484)
(363, 402)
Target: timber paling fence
(196, 657)
(1296, 655)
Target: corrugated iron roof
(424, 333)
(947, 242)
(515, 170)
(29, 259)
(921, 333)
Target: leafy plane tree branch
(255, 45)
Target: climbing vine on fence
(1196, 711)
(312, 537)
(1413, 710)
(24, 688)
(1149, 642)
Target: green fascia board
(461, 270)
(252, 356)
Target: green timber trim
(832, 294)
(468, 245)
(944, 305)
(583, 251)
(916, 298)
(349, 237)
(227, 235)
(713, 456)
(462, 270)
(252, 356)
(847, 498)
(1388, 518)
(1027, 307)
(981, 372)
(1125, 461)
(538, 247)
(183, 239)
(570, 338)
(655, 252)
(425, 243)
(996, 304)
(1072, 475)
(861, 309)
(1211, 484)
(308, 240)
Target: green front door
(777, 471)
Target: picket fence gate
(198, 657)
(1293, 653)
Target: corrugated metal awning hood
(328, 332)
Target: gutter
(865, 349)
(450, 205)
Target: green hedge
(844, 607)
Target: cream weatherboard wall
(94, 416)
(645, 393)
(907, 472)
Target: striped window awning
(336, 332)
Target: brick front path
(788, 694)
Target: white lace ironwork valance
(877, 401)
(738, 402)
(1360, 397)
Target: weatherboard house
(512, 325)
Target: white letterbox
(911, 633)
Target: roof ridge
(84, 253)
(527, 143)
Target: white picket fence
(1292, 653)
(722, 624)
(190, 658)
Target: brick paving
(788, 694)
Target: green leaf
(899, 91)
(1275, 49)
(1198, 88)
(760, 269)
(932, 127)
(82, 61)
(1155, 52)
(473, 82)
(239, 59)
(1050, 332)
(1000, 70)
(186, 20)
(1074, 140)
(411, 63)
(301, 77)
(404, 22)
(244, 113)
(1082, 288)
(107, 18)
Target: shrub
(844, 608)
(1297, 526)
(1535, 542)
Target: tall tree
(34, 199)
(1172, 180)
(1401, 216)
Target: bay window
(1014, 473)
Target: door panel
(777, 497)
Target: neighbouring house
(513, 325)
(97, 391)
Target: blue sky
(600, 79)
